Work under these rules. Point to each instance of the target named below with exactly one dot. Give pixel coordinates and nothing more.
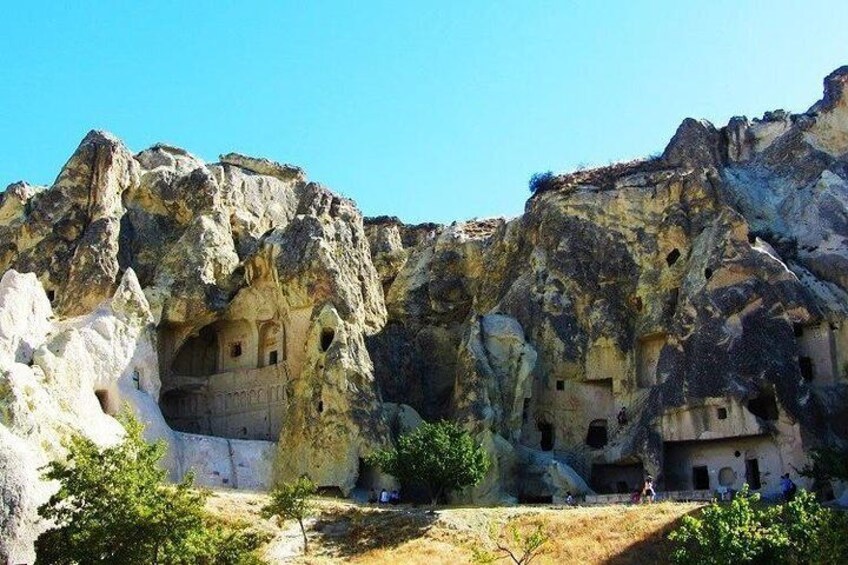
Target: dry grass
(349, 533)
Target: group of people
(385, 497)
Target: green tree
(113, 506)
(440, 456)
(826, 464)
(292, 501)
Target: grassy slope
(345, 532)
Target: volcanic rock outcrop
(684, 316)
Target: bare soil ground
(345, 532)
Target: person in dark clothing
(787, 487)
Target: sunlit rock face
(263, 329)
(227, 304)
(703, 290)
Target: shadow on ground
(656, 548)
(355, 531)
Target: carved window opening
(672, 257)
(700, 477)
(51, 296)
(320, 406)
(560, 385)
(327, 336)
(708, 273)
(235, 349)
(273, 358)
(722, 413)
(547, 441)
(597, 436)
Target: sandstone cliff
(265, 330)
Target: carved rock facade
(263, 329)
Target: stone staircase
(634, 411)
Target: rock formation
(264, 330)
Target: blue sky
(431, 111)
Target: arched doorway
(271, 344)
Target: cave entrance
(546, 443)
(183, 410)
(764, 406)
(103, 398)
(615, 478)
(198, 357)
(701, 477)
(327, 337)
(597, 436)
(752, 473)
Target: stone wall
(728, 462)
(244, 403)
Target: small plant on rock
(540, 182)
(521, 546)
(292, 501)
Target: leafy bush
(442, 457)
(113, 506)
(541, 182)
(745, 531)
(292, 501)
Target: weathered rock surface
(708, 282)
(144, 258)
(263, 329)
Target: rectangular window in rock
(235, 349)
(560, 385)
(273, 358)
(722, 413)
